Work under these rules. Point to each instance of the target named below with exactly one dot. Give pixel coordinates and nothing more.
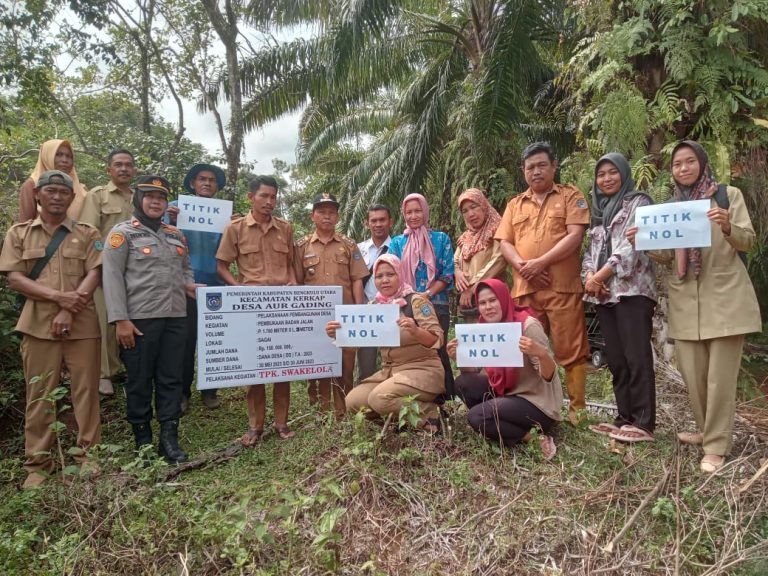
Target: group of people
(110, 281)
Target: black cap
(324, 198)
(221, 179)
(152, 183)
(55, 177)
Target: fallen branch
(608, 548)
(748, 484)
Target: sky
(275, 140)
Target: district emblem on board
(213, 301)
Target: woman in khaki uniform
(712, 303)
(478, 255)
(412, 369)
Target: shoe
(603, 428)
(284, 433)
(184, 405)
(711, 463)
(692, 438)
(142, 434)
(106, 388)
(34, 480)
(169, 443)
(210, 399)
(548, 448)
(628, 433)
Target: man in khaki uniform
(104, 207)
(327, 258)
(58, 321)
(541, 234)
(262, 246)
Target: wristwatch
(429, 294)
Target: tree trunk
(225, 25)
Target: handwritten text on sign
(258, 334)
(368, 325)
(203, 214)
(489, 345)
(673, 225)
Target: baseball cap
(55, 177)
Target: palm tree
(437, 95)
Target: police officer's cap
(55, 177)
(221, 179)
(152, 183)
(324, 199)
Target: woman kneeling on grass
(507, 403)
(412, 369)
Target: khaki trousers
(110, 353)
(43, 359)
(256, 400)
(710, 369)
(387, 398)
(320, 390)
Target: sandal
(629, 433)
(284, 432)
(604, 428)
(548, 448)
(692, 438)
(252, 437)
(711, 463)
(431, 426)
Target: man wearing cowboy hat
(203, 180)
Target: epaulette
(348, 241)
(283, 220)
(19, 224)
(78, 223)
(301, 241)
(170, 228)
(237, 220)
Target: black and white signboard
(259, 334)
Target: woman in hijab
(712, 303)
(147, 278)
(505, 404)
(621, 283)
(427, 257)
(54, 155)
(478, 255)
(412, 369)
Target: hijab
(503, 380)
(475, 240)
(404, 288)
(138, 211)
(605, 208)
(419, 245)
(46, 160)
(704, 187)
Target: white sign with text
(203, 214)
(259, 334)
(673, 225)
(489, 345)
(368, 325)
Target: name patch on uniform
(116, 240)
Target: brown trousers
(320, 390)
(43, 359)
(256, 400)
(387, 398)
(710, 370)
(110, 353)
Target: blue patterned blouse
(443, 261)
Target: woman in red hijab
(505, 404)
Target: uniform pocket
(341, 257)
(74, 260)
(144, 248)
(106, 209)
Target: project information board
(258, 334)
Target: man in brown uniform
(262, 246)
(104, 207)
(58, 321)
(327, 258)
(541, 233)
